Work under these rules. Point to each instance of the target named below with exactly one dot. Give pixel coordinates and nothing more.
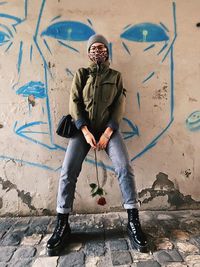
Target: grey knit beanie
(96, 38)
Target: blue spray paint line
(134, 129)
(55, 18)
(90, 22)
(45, 42)
(9, 47)
(48, 106)
(26, 8)
(153, 142)
(126, 48)
(175, 31)
(68, 46)
(3, 3)
(138, 99)
(37, 89)
(7, 29)
(29, 163)
(34, 132)
(20, 57)
(149, 76)
(145, 32)
(127, 26)
(110, 51)
(149, 47)
(69, 31)
(100, 164)
(27, 125)
(163, 25)
(163, 48)
(39, 18)
(18, 20)
(3, 43)
(43, 110)
(31, 52)
(41, 54)
(53, 147)
(69, 72)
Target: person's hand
(103, 141)
(89, 137)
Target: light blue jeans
(75, 154)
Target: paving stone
(6, 253)
(148, 264)
(186, 247)
(165, 256)
(3, 264)
(21, 263)
(73, 259)
(13, 238)
(21, 223)
(180, 235)
(163, 244)
(92, 261)
(121, 257)
(138, 256)
(31, 240)
(95, 249)
(46, 262)
(120, 244)
(38, 225)
(193, 259)
(175, 264)
(24, 252)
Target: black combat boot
(136, 235)
(60, 235)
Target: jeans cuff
(63, 211)
(132, 206)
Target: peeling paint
(162, 186)
(25, 197)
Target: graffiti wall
(155, 45)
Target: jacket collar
(93, 67)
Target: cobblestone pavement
(101, 240)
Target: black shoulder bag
(66, 126)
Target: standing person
(97, 102)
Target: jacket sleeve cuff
(80, 123)
(112, 124)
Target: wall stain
(25, 197)
(1, 125)
(161, 93)
(162, 186)
(187, 173)
(31, 100)
(1, 202)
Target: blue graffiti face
(37, 74)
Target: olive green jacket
(97, 97)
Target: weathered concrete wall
(155, 44)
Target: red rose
(101, 201)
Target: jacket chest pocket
(108, 90)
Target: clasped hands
(103, 141)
